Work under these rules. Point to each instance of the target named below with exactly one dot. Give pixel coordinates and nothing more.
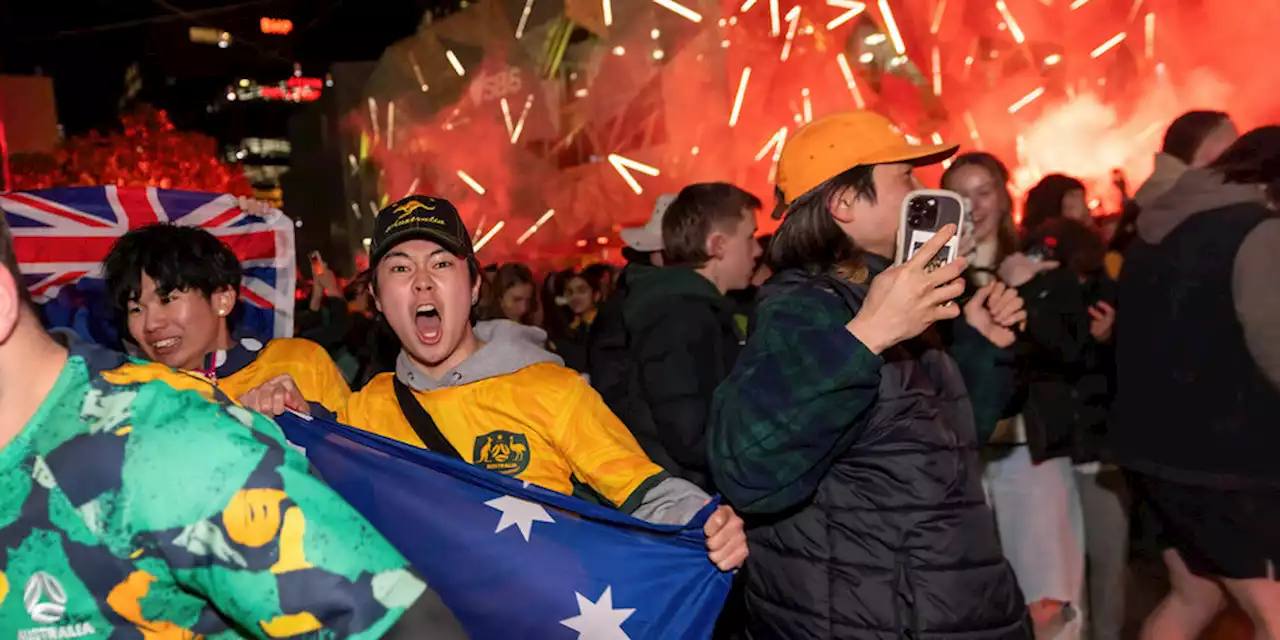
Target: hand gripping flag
(62, 235)
(513, 560)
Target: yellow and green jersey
(249, 363)
(541, 423)
(131, 505)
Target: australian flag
(62, 235)
(513, 560)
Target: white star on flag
(520, 513)
(599, 620)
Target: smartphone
(924, 213)
(317, 265)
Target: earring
(222, 312)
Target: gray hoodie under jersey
(1257, 266)
(508, 347)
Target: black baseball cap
(424, 218)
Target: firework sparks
(850, 81)
(742, 92)
(535, 227)
(528, 104)
(775, 143)
(1026, 100)
(417, 72)
(373, 116)
(607, 8)
(679, 9)
(892, 25)
(524, 18)
(471, 182)
(973, 129)
(937, 17)
(453, 60)
(506, 116)
(1150, 27)
(854, 9)
(489, 236)
(1109, 45)
(1078, 3)
(391, 123)
(937, 71)
(793, 18)
(1014, 29)
(808, 105)
(775, 18)
(624, 166)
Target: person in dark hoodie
(684, 337)
(1198, 386)
(847, 427)
(607, 356)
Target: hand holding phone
(906, 299)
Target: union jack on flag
(62, 235)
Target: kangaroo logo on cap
(413, 206)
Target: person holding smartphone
(845, 432)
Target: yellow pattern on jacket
(543, 424)
(317, 377)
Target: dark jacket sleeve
(797, 398)
(989, 376)
(680, 361)
(1057, 319)
(326, 327)
(428, 617)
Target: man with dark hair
(683, 337)
(847, 426)
(174, 290)
(489, 394)
(134, 505)
(1192, 141)
(1198, 387)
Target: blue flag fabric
(514, 560)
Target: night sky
(86, 46)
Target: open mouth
(427, 323)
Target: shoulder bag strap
(422, 422)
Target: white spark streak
(854, 10)
(453, 60)
(1026, 100)
(535, 227)
(737, 101)
(489, 236)
(683, 11)
(524, 18)
(471, 182)
(850, 81)
(1109, 45)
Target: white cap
(649, 237)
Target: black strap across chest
(422, 422)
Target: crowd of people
(905, 450)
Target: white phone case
(919, 237)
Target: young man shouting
(489, 394)
(132, 508)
